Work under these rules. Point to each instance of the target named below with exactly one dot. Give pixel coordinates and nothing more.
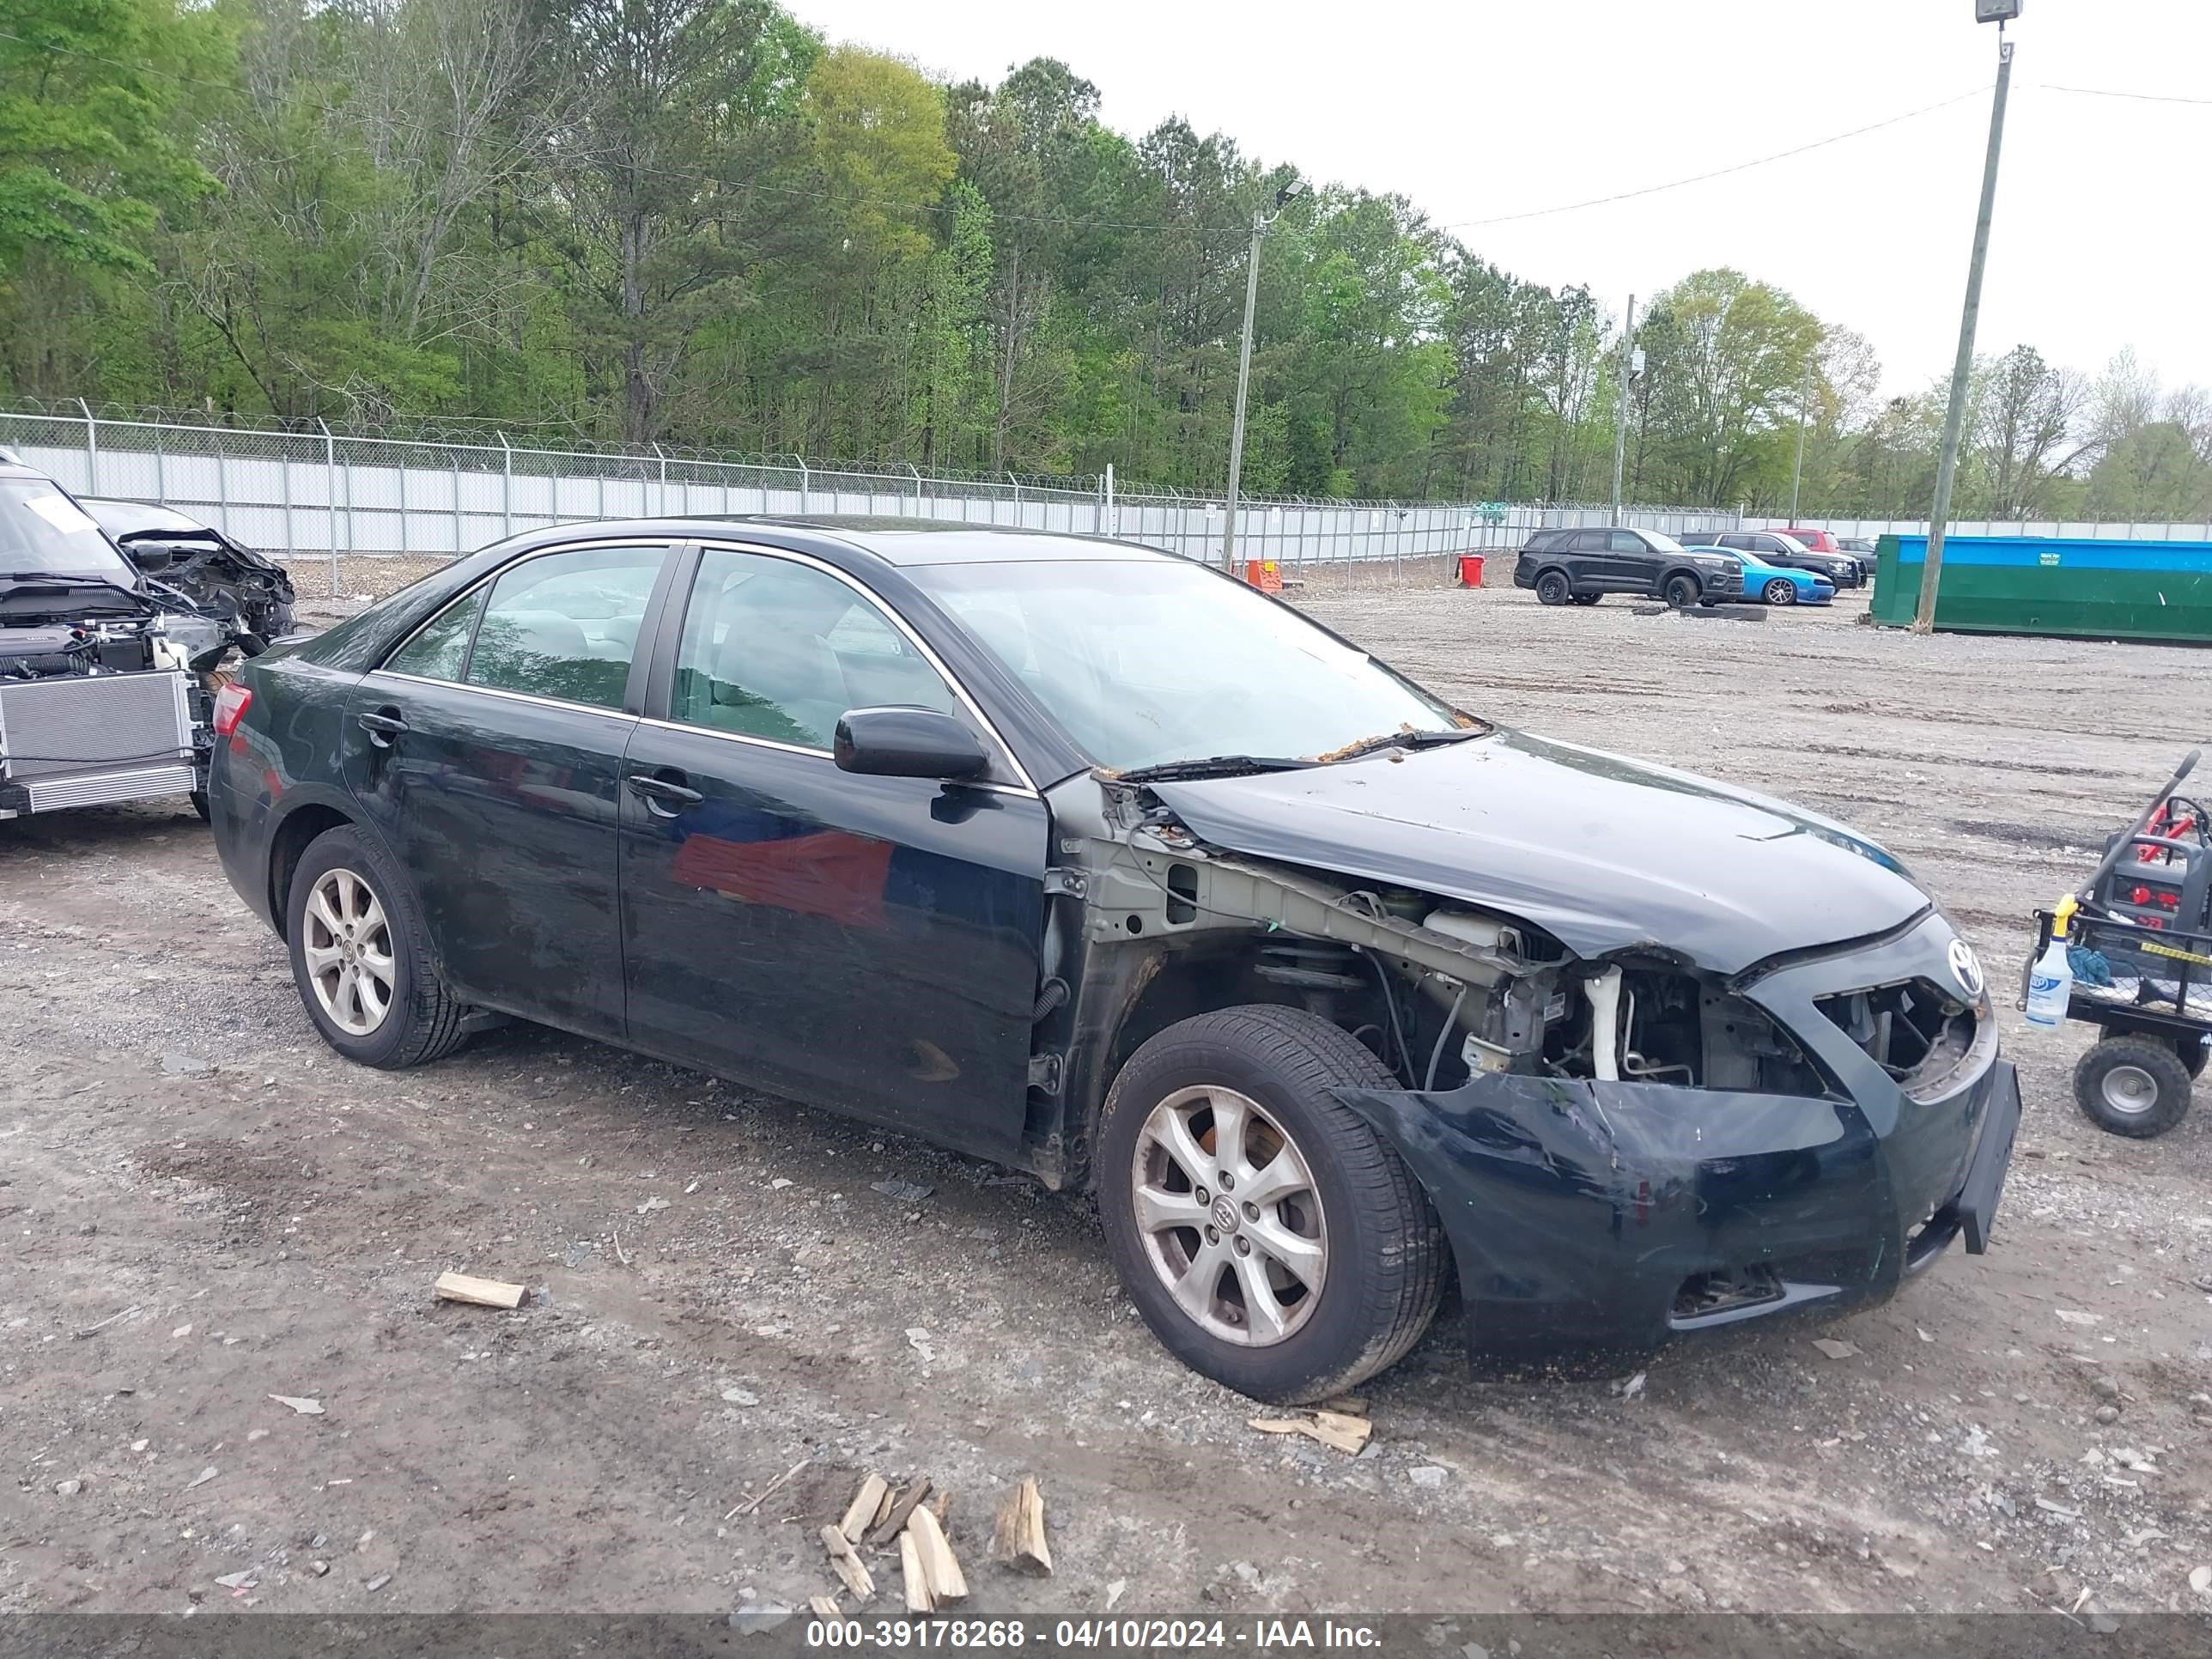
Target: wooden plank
(1338, 1429)
(939, 1566)
(824, 1606)
(894, 1521)
(917, 1582)
(484, 1292)
(1019, 1539)
(866, 1505)
(848, 1565)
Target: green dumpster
(2107, 590)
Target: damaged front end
(1622, 1144)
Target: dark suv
(1582, 566)
(1773, 547)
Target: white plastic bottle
(2051, 981)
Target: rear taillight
(230, 706)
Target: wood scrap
(940, 1568)
(848, 1565)
(942, 1502)
(751, 1506)
(824, 1606)
(917, 1585)
(482, 1292)
(894, 1521)
(1018, 1539)
(1346, 1432)
(868, 1504)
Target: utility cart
(2137, 964)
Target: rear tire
(1682, 590)
(1554, 588)
(1344, 1208)
(2132, 1086)
(1781, 592)
(361, 959)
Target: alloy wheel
(1229, 1217)
(347, 950)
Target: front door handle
(384, 726)
(663, 795)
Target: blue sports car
(1774, 584)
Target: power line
(2138, 97)
(1717, 173)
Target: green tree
(87, 158)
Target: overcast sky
(1476, 109)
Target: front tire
(1781, 592)
(361, 957)
(1554, 588)
(2133, 1086)
(1270, 1238)
(1682, 591)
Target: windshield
(1148, 661)
(122, 520)
(42, 530)
(1661, 542)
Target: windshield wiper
(1400, 740)
(64, 578)
(1213, 766)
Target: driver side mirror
(151, 555)
(901, 741)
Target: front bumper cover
(1579, 1212)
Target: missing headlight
(1915, 1030)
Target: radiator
(68, 729)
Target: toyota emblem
(1965, 969)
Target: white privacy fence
(311, 492)
(307, 492)
(2147, 531)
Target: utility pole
(1284, 197)
(1798, 473)
(1620, 418)
(1947, 468)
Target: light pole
(1999, 12)
(1798, 473)
(1284, 197)
(1628, 368)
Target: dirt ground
(207, 1209)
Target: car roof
(917, 541)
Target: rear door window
(440, 650)
(1592, 541)
(565, 625)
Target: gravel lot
(207, 1208)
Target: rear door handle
(384, 726)
(663, 795)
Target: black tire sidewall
(1336, 1330)
(2167, 1069)
(1552, 587)
(348, 848)
(1681, 591)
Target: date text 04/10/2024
(1258, 1635)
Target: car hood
(1602, 852)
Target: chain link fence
(447, 490)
